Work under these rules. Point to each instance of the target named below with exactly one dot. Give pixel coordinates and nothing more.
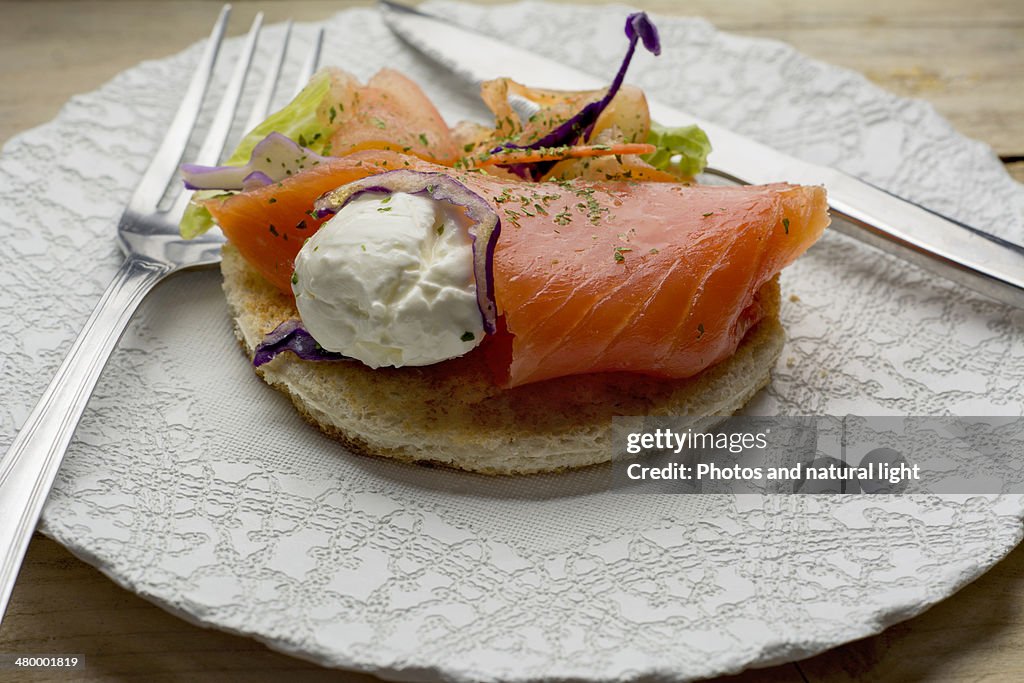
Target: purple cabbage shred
(291, 336)
(639, 28)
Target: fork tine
(165, 162)
(262, 106)
(312, 60)
(213, 144)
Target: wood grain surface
(965, 58)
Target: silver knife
(954, 250)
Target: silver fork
(153, 249)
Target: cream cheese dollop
(389, 281)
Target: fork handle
(29, 467)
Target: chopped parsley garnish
(383, 209)
(467, 336)
(620, 254)
(333, 112)
(295, 278)
(423, 139)
(379, 123)
(272, 200)
(709, 213)
(785, 224)
(594, 209)
(700, 330)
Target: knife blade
(961, 253)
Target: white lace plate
(196, 486)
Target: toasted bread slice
(452, 413)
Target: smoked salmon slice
(389, 112)
(655, 278)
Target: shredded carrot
(532, 156)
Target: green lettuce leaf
(681, 151)
(197, 219)
(298, 121)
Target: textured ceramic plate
(199, 488)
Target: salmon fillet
(654, 278)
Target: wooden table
(966, 58)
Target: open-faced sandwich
(488, 298)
